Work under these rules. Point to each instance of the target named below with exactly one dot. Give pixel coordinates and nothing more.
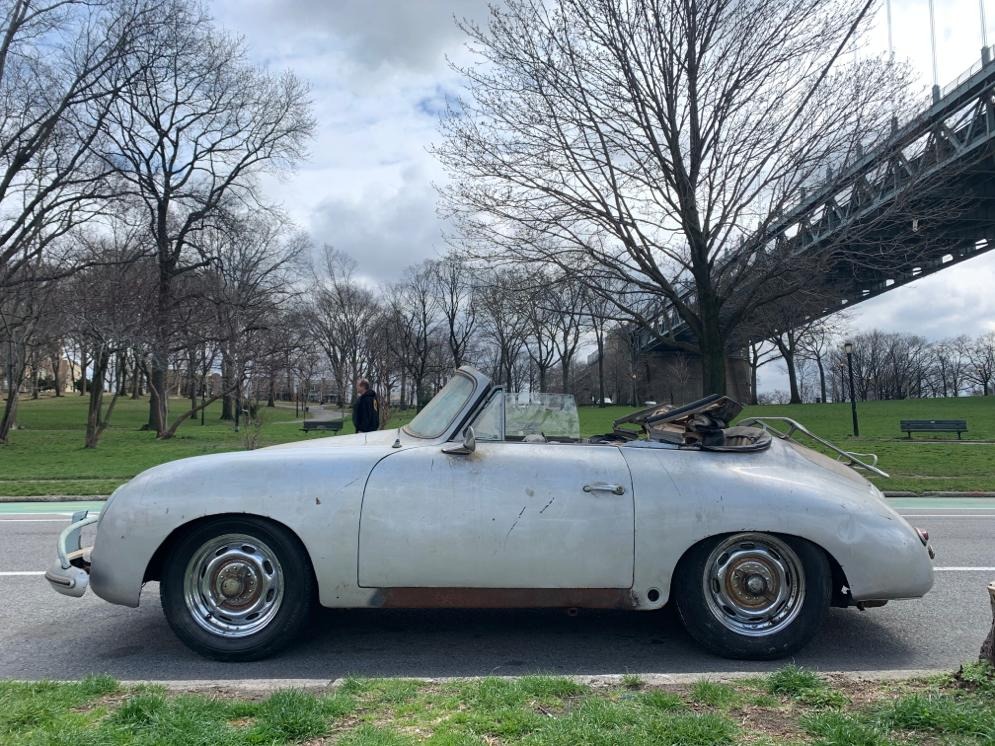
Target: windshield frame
(461, 412)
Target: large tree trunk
(82, 372)
(988, 648)
(157, 396)
(712, 344)
(713, 366)
(227, 401)
(55, 374)
(9, 411)
(159, 364)
(93, 429)
(789, 362)
(601, 368)
(136, 379)
(822, 378)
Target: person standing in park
(366, 408)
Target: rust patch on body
(505, 598)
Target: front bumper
(70, 575)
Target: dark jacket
(366, 412)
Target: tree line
(886, 365)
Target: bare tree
(658, 141)
(107, 312)
(818, 344)
(599, 314)
(452, 277)
(24, 312)
(415, 308)
(540, 328)
(340, 319)
(981, 362)
(61, 67)
(252, 266)
(950, 357)
(760, 352)
(504, 322)
(566, 294)
(193, 126)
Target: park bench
(934, 426)
(332, 426)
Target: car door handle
(616, 489)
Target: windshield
(439, 413)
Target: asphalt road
(45, 635)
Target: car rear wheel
(753, 596)
(237, 589)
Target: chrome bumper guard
(70, 575)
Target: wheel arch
(839, 579)
(153, 570)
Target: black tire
(716, 626)
(294, 594)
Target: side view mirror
(468, 446)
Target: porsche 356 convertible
(491, 499)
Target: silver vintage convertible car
(490, 499)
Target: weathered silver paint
(685, 496)
(508, 515)
(379, 522)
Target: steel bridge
(947, 149)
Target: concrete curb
(597, 681)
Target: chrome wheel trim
(754, 584)
(233, 585)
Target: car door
(508, 515)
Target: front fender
(315, 492)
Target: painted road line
(964, 569)
(942, 503)
(20, 574)
(43, 508)
(947, 515)
(33, 520)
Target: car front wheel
(753, 596)
(237, 589)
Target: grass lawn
(46, 456)
(787, 707)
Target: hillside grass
(789, 706)
(46, 456)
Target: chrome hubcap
(233, 585)
(754, 584)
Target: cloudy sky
(379, 78)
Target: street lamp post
(848, 349)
